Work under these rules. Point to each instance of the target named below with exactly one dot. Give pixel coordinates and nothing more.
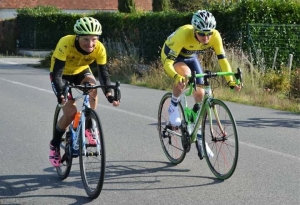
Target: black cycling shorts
(76, 79)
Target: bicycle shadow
(133, 172)
(130, 172)
(269, 122)
(264, 122)
(13, 187)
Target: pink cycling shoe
(54, 156)
(90, 136)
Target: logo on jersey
(61, 51)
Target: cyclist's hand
(112, 100)
(234, 86)
(61, 100)
(237, 87)
(61, 91)
(179, 79)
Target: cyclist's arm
(56, 77)
(172, 48)
(223, 62)
(104, 78)
(168, 67)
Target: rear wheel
(64, 169)
(170, 137)
(221, 137)
(92, 155)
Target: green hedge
(148, 30)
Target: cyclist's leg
(195, 65)
(61, 126)
(87, 76)
(69, 110)
(182, 69)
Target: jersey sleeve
(219, 50)
(101, 55)
(172, 48)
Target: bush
(295, 84)
(277, 81)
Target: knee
(70, 113)
(93, 94)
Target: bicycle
(210, 125)
(87, 144)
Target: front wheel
(221, 138)
(170, 137)
(64, 169)
(92, 155)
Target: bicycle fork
(216, 115)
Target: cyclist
(179, 57)
(70, 62)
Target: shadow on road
(129, 175)
(269, 122)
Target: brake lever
(239, 76)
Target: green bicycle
(211, 126)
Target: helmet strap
(195, 35)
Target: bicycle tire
(92, 162)
(171, 143)
(64, 169)
(223, 142)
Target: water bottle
(76, 120)
(195, 109)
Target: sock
(174, 100)
(57, 136)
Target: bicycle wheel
(92, 155)
(66, 159)
(219, 131)
(170, 137)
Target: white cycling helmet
(203, 21)
(87, 26)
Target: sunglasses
(201, 33)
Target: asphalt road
(137, 170)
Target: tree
(187, 5)
(160, 5)
(126, 6)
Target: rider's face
(87, 43)
(204, 37)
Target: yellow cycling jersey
(184, 43)
(76, 62)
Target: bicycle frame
(85, 107)
(81, 124)
(206, 102)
